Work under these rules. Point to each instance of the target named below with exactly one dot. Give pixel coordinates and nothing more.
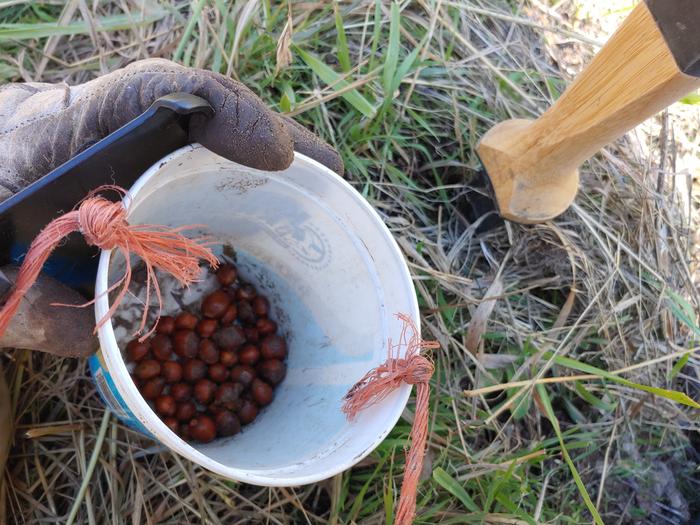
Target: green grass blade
(342, 41)
(360, 497)
(375, 35)
(683, 310)
(544, 397)
(693, 99)
(185, 39)
(330, 77)
(106, 23)
(679, 366)
(452, 486)
(673, 395)
(589, 398)
(389, 503)
(392, 54)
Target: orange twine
(103, 224)
(378, 383)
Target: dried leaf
(284, 51)
(477, 326)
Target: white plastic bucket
(333, 273)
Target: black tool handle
(119, 159)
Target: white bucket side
(326, 260)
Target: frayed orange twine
(103, 224)
(378, 383)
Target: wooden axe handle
(533, 165)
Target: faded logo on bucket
(111, 396)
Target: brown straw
(379, 382)
(103, 224)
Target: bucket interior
(334, 278)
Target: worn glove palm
(44, 125)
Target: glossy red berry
(165, 405)
(272, 371)
(194, 370)
(166, 325)
(136, 351)
(207, 327)
(242, 374)
(185, 321)
(227, 424)
(273, 347)
(202, 428)
(171, 371)
(204, 391)
(185, 343)
(262, 392)
(181, 391)
(247, 412)
(215, 304)
(208, 351)
(147, 369)
(226, 274)
(162, 347)
(261, 306)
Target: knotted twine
(103, 224)
(378, 383)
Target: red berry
(208, 351)
(227, 424)
(137, 351)
(166, 325)
(249, 355)
(229, 315)
(242, 374)
(228, 358)
(215, 304)
(165, 405)
(262, 392)
(273, 347)
(194, 370)
(246, 313)
(152, 388)
(185, 411)
(228, 395)
(181, 391)
(229, 338)
(162, 347)
(171, 371)
(261, 306)
(202, 428)
(147, 369)
(266, 327)
(251, 334)
(247, 412)
(204, 390)
(206, 327)
(273, 371)
(226, 274)
(185, 321)
(185, 343)
(218, 372)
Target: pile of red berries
(209, 373)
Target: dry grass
(609, 284)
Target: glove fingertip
(312, 146)
(266, 145)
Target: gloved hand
(44, 125)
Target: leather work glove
(44, 125)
